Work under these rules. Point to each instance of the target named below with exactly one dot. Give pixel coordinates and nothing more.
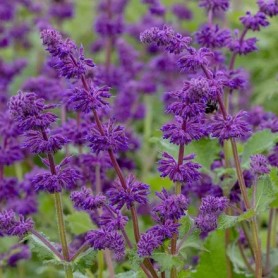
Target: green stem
(100, 263)
(268, 243)
(62, 233)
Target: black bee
(211, 107)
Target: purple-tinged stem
(120, 175)
(59, 213)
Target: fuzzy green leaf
(206, 151)
(185, 225)
(213, 263)
(129, 274)
(133, 259)
(85, 260)
(79, 222)
(167, 261)
(227, 221)
(43, 252)
(264, 195)
(259, 142)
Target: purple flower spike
(84, 200)
(181, 12)
(135, 192)
(182, 132)
(269, 7)
(206, 222)
(195, 59)
(211, 207)
(114, 138)
(35, 142)
(101, 239)
(21, 227)
(254, 22)
(231, 127)
(10, 226)
(29, 111)
(113, 221)
(172, 206)
(185, 172)
(148, 242)
(215, 5)
(69, 60)
(167, 38)
(212, 36)
(215, 205)
(64, 179)
(243, 47)
(259, 164)
(81, 100)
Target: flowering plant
(138, 190)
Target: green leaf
(128, 274)
(193, 241)
(206, 151)
(133, 259)
(79, 222)
(213, 263)
(185, 225)
(259, 142)
(167, 261)
(43, 252)
(236, 258)
(157, 183)
(85, 260)
(264, 195)
(273, 175)
(227, 221)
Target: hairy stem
(177, 191)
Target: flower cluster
(181, 172)
(259, 164)
(10, 225)
(110, 138)
(166, 38)
(211, 207)
(171, 208)
(134, 192)
(71, 62)
(84, 200)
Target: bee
(211, 107)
